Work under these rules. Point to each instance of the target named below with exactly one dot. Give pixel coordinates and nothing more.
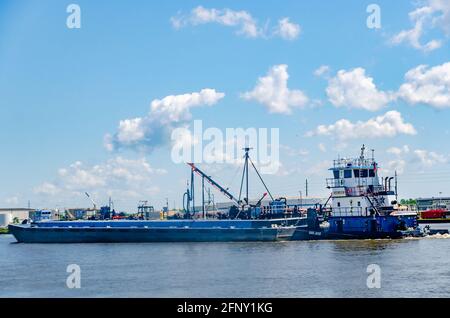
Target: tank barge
(152, 231)
(244, 222)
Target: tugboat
(359, 206)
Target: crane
(95, 205)
(214, 184)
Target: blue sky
(63, 90)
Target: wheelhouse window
(336, 174)
(356, 172)
(371, 173)
(363, 173)
(347, 173)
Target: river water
(408, 268)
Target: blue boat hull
(64, 234)
(356, 227)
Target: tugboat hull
(354, 227)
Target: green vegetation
(4, 230)
(408, 202)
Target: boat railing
(348, 211)
(364, 190)
(285, 209)
(347, 163)
(358, 190)
(335, 183)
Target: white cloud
(399, 163)
(175, 108)
(118, 177)
(323, 70)
(429, 158)
(388, 125)
(153, 130)
(130, 130)
(114, 171)
(46, 188)
(287, 30)
(404, 154)
(273, 92)
(435, 14)
(243, 21)
(322, 147)
(398, 150)
(395, 165)
(427, 85)
(354, 89)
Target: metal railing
(344, 163)
(334, 183)
(349, 211)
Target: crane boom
(95, 205)
(214, 183)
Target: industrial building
(424, 204)
(13, 215)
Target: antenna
(363, 148)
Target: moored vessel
(152, 231)
(244, 222)
(359, 206)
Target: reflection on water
(413, 267)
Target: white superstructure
(357, 189)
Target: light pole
(301, 198)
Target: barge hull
(28, 234)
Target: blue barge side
(153, 231)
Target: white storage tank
(5, 219)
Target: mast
(246, 171)
(203, 196)
(245, 178)
(363, 148)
